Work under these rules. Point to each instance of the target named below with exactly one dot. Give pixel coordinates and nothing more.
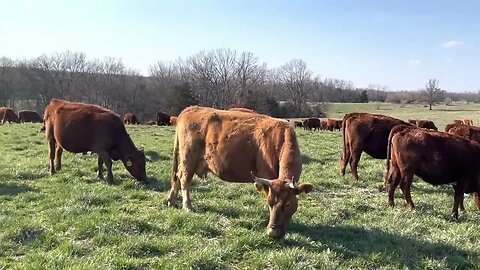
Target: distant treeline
(220, 78)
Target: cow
(323, 125)
(338, 125)
(173, 120)
(163, 119)
(437, 158)
(331, 124)
(458, 121)
(29, 116)
(426, 124)
(297, 124)
(8, 115)
(79, 127)
(311, 123)
(365, 132)
(130, 118)
(239, 147)
(247, 110)
(468, 122)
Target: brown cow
(130, 118)
(29, 116)
(331, 124)
(79, 127)
(163, 119)
(311, 123)
(436, 157)
(426, 124)
(457, 121)
(247, 110)
(365, 132)
(8, 115)
(468, 122)
(323, 125)
(173, 120)
(297, 124)
(236, 146)
(338, 125)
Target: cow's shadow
(354, 242)
(13, 189)
(307, 160)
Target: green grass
(74, 221)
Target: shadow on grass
(353, 242)
(153, 156)
(307, 160)
(14, 189)
(153, 183)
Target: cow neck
(126, 146)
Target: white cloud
(414, 62)
(451, 44)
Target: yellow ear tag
(129, 163)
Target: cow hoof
(171, 203)
(58, 168)
(455, 216)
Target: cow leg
(476, 199)
(405, 185)
(108, 163)
(51, 153)
(58, 157)
(175, 187)
(345, 159)
(354, 159)
(100, 168)
(185, 181)
(457, 200)
(392, 185)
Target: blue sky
(400, 44)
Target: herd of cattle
(240, 145)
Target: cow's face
(282, 201)
(135, 164)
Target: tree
(432, 92)
(181, 98)
(363, 97)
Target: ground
(74, 221)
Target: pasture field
(74, 221)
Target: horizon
(396, 44)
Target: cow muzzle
(275, 232)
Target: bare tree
(296, 81)
(432, 92)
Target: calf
(8, 115)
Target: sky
(399, 44)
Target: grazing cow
(323, 125)
(29, 116)
(468, 122)
(426, 124)
(436, 157)
(173, 120)
(130, 118)
(338, 125)
(331, 124)
(247, 110)
(239, 147)
(297, 124)
(311, 123)
(8, 115)
(365, 132)
(163, 119)
(79, 127)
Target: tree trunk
(430, 106)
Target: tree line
(220, 78)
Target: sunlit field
(74, 221)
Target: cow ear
(261, 188)
(307, 188)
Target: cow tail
(389, 150)
(175, 158)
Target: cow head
(282, 201)
(135, 165)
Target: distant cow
(29, 116)
(297, 124)
(436, 157)
(163, 119)
(332, 124)
(261, 149)
(173, 120)
(426, 124)
(79, 127)
(458, 121)
(130, 118)
(247, 110)
(311, 123)
(364, 132)
(323, 125)
(8, 115)
(338, 125)
(468, 122)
